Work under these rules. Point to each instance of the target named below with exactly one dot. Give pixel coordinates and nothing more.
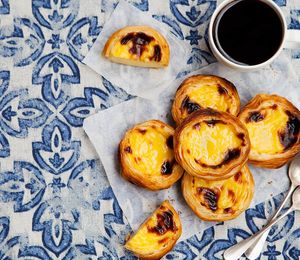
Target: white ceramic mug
(290, 38)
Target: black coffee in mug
(248, 32)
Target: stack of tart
(212, 145)
(210, 148)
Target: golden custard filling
(137, 46)
(210, 143)
(149, 151)
(265, 128)
(224, 196)
(154, 234)
(212, 96)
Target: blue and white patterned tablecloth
(55, 201)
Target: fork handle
(236, 251)
(255, 249)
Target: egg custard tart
(147, 157)
(219, 200)
(140, 46)
(211, 144)
(157, 235)
(273, 124)
(205, 91)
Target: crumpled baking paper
(143, 82)
(106, 128)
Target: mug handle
(292, 40)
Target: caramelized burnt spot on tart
(255, 116)
(273, 124)
(211, 144)
(147, 157)
(222, 90)
(138, 46)
(289, 135)
(140, 41)
(230, 155)
(128, 149)
(157, 235)
(189, 106)
(210, 197)
(170, 142)
(219, 200)
(165, 223)
(167, 168)
(205, 91)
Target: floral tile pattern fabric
(55, 200)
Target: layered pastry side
(157, 235)
(219, 200)
(273, 124)
(140, 46)
(211, 144)
(205, 91)
(147, 157)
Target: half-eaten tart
(157, 235)
(211, 144)
(273, 124)
(219, 200)
(205, 91)
(147, 157)
(140, 46)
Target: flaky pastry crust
(273, 124)
(205, 91)
(140, 46)
(157, 235)
(219, 200)
(147, 157)
(211, 144)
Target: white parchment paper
(143, 82)
(106, 128)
